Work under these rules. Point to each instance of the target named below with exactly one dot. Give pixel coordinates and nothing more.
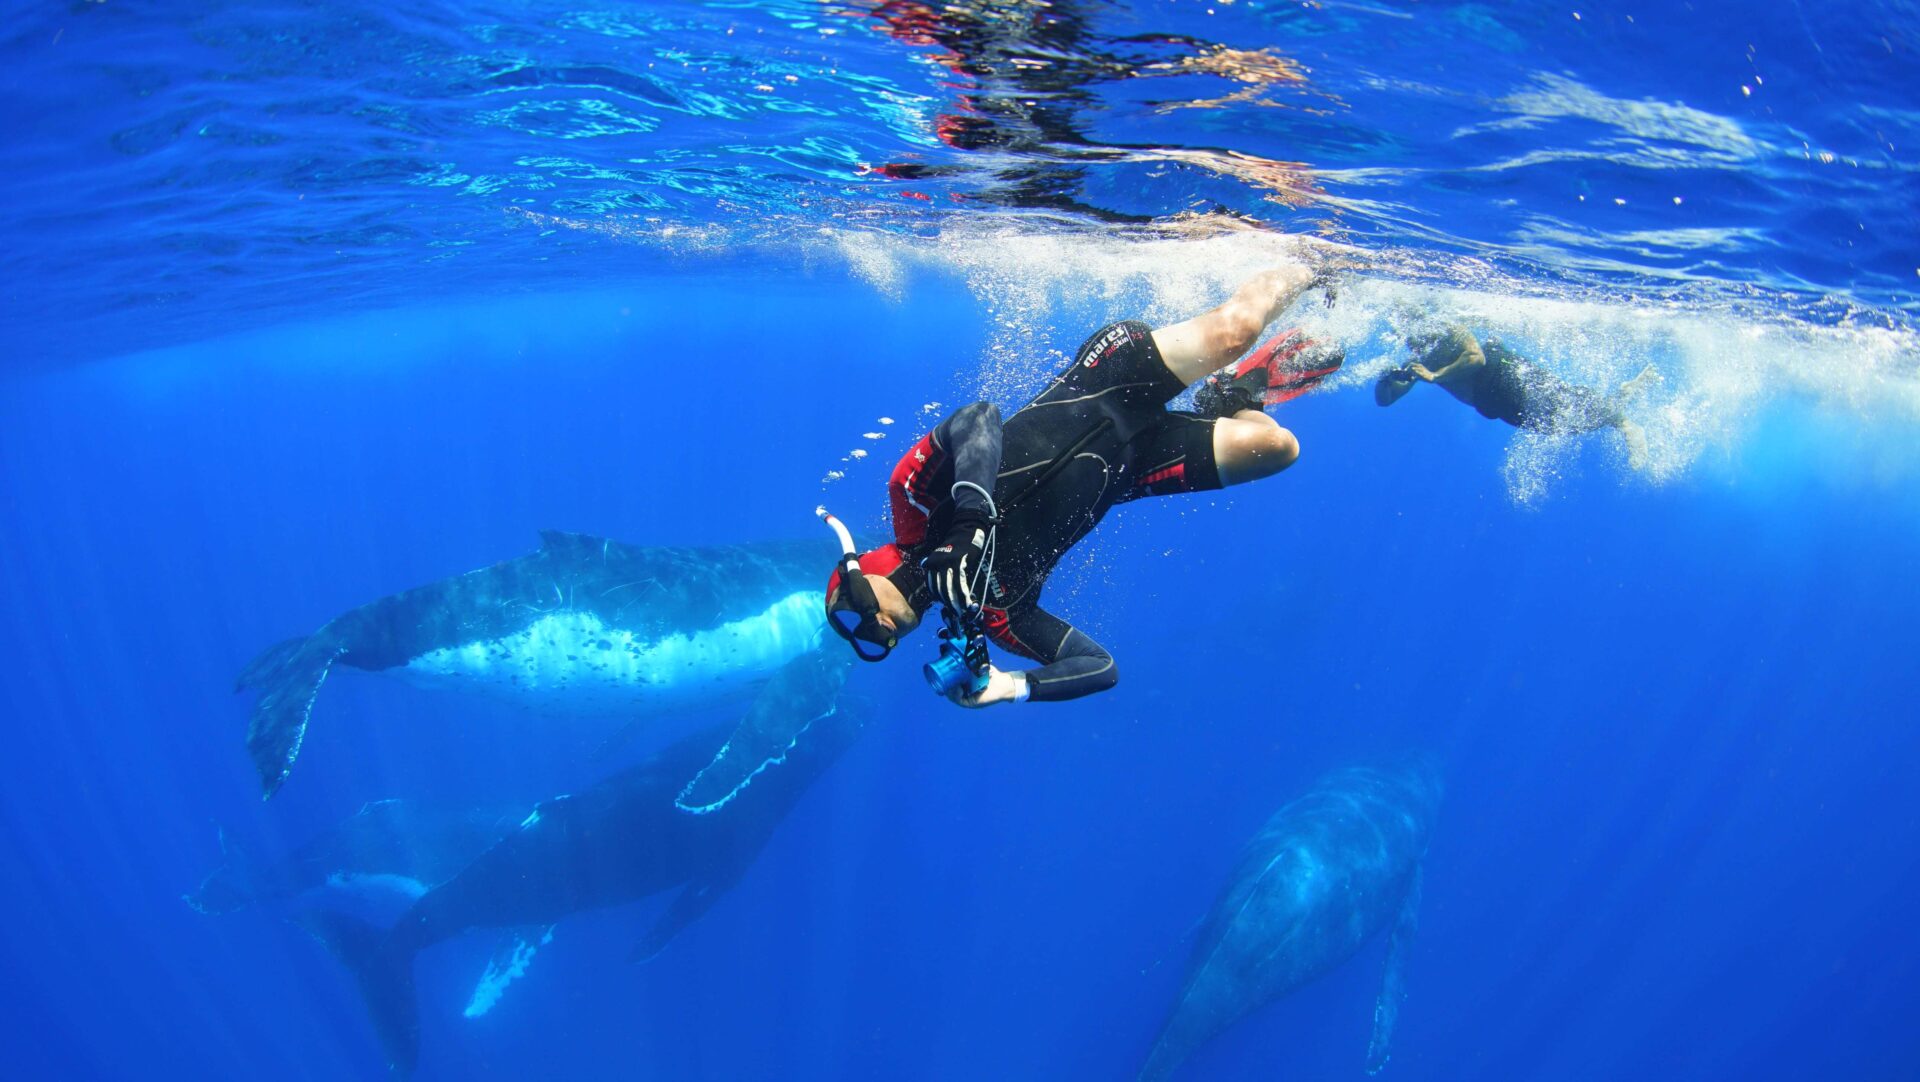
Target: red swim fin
(1295, 365)
(1286, 367)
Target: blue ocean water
(308, 304)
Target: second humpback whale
(1326, 874)
(621, 840)
(403, 847)
(583, 625)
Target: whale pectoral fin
(688, 906)
(508, 964)
(805, 690)
(289, 677)
(1393, 985)
(751, 749)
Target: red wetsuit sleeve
(910, 491)
(964, 447)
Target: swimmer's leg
(1576, 411)
(1632, 434)
(1250, 445)
(1187, 452)
(1637, 386)
(1636, 441)
(1217, 338)
(1555, 406)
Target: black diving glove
(953, 566)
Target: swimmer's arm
(1466, 354)
(1075, 666)
(972, 435)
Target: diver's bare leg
(1215, 339)
(1637, 386)
(1636, 441)
(1250, 445)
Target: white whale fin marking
(771, 760)
(508, 964)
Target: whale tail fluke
(385, 977)
(288, 676)
(261, 668)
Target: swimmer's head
(874, 611)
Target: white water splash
(1719, 370)
(1726, 352)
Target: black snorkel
(963, 661)
(871, 641)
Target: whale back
(1324, 875)
(647, 591)
(628, 629)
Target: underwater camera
(963, 661)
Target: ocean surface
(305, 304)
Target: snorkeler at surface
(1504, 386)
(1099, 435)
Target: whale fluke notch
(288, 676)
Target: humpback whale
(583, 625)
(621, 840)
(400, 846)
(1326, 874)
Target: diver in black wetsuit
(1503, 386)
(1099, 435)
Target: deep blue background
(1678, 722)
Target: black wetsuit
(1512, 389)
(1099, 435)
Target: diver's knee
(1234, 334)
(1275, 449)
(1255, 451)
(1286, 447)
